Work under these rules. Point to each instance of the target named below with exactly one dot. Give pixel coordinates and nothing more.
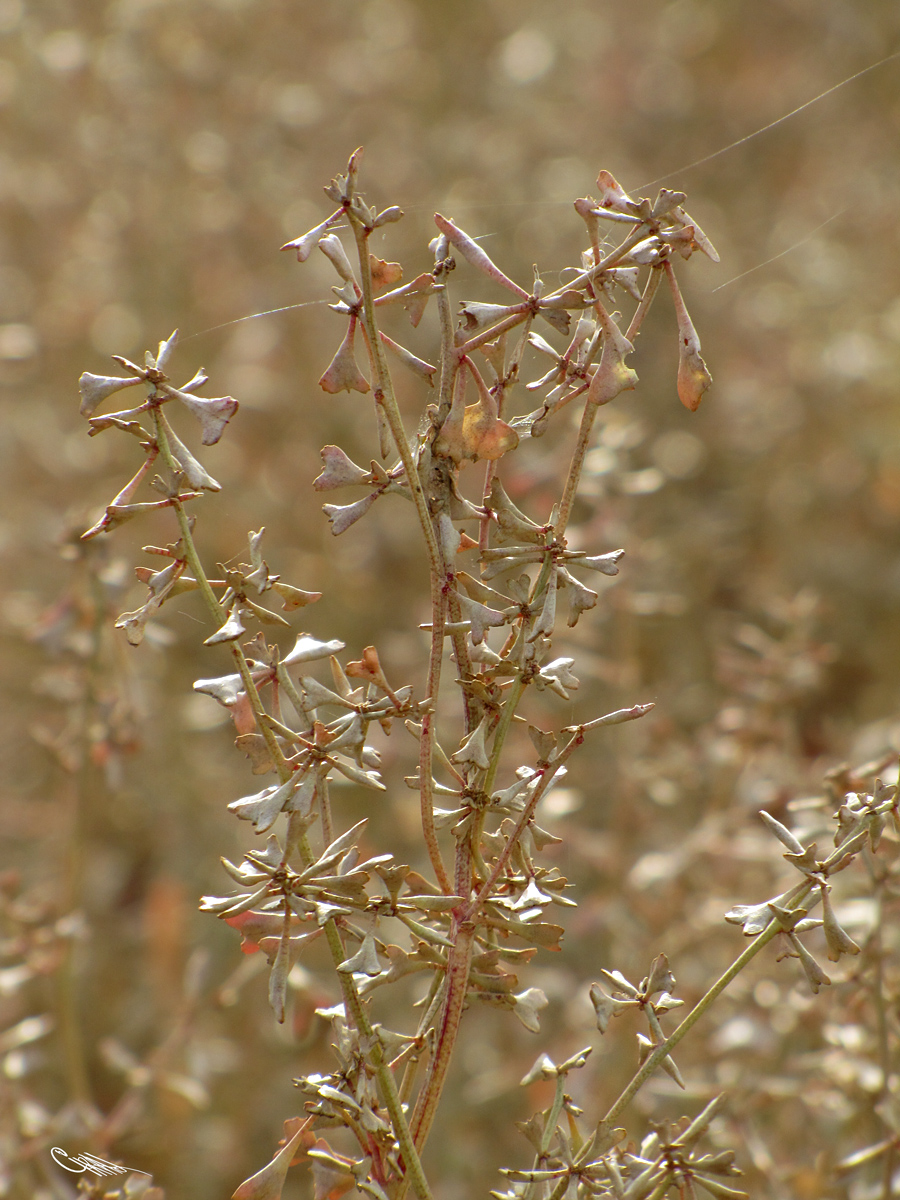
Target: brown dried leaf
(268, 1183)
(384, 274)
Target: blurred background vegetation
(154, 155)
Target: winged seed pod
(309, 649)
(527, 1005)
(474, 432)
(614, 197)
(815, 976)
(418, 366)
(121, 504)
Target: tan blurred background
(153, 157)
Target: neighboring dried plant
(497, 575)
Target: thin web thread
(772, 124)
(812, 233)
(651, 183)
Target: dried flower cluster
(483, 910)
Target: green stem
(666, 1047)
(460, 958)
(190, 550)
(192, 558)
(503, 727)
(375, 1055)
(356, 1013)
(552, 1117)
(293, 695)
(435, 997)
(576, 464)
(561, 1188)
(384, 395)
(644, 307)
(495, 331)
(515, 694)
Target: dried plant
(468, 918)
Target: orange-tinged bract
(693, 375)
(475, 431)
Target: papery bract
(96, 388)
(473, 254)
(342, 516)
(418, 366)
(213, 414)
(340, 470)
(333, 249)
(305, 244)
(268, 1183)
(308, 649)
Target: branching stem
(213, 606)
(661, 1051)
(384, 396)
